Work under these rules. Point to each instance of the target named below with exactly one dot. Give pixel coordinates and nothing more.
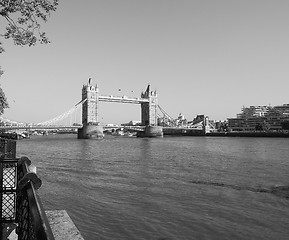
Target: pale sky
(202, 56)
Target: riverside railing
(21, 208)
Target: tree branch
(22, 30)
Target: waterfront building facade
(253, 111)
(260, 118)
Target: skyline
(202, 57)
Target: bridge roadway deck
(32, 127)
(39, 127)
(123, 99)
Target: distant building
(110, 125)
(197, 119)
(284, 109)
(253, 111)
(260, 118)
(132, 123)
(167, 121)
(181, 120)
(221, 126)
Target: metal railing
(20, 206)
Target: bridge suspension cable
(5, 120)
(63, 115)
(164, 112)
(166, 115)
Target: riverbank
(200, 132)
(249, 134)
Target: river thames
(171, 188)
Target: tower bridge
(90, 127)
(90, 111)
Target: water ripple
(280, 191)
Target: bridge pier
(151, 131)
(149, 115)
(90, 131)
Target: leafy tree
(23, 17)
(259, 127)
(285, 125)
(23, 26)
(3, 100)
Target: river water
(170, 188)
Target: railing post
(8, 186)
(20, 205)
(31, 217)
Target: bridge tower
(149, 109)
(149, 115)
(91, 127)
(206, 126)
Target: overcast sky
(202, 56)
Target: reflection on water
(166, 188)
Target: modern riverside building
(253, 111)
(260, 118)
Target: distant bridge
(52, 127)
(151, 113)
(38, 127)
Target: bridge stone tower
(149, 115)
(206, 126)
(149, 109)
(91, 127)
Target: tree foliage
(23, 26)
(1, 48)
(3, 99)
(24, 17)
(3, 102)
(285, 125)
(259, 127)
